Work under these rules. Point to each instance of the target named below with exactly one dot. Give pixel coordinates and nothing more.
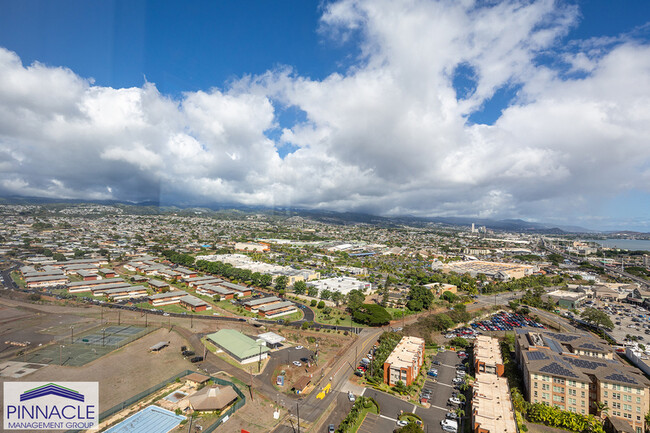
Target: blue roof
(152, 419)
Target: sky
(494, 109)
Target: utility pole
(145, 319)
(119, 317)
(72, 335)
(298, 413)
(250, 388)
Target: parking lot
(627, 318)
(441, 388)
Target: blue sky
(304, 77)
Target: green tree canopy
(300, 287)
(597, 318)
(355, 299)
(372, 314)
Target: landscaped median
(362, 407)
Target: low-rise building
(195, 304)
(242, 348)
(404, 362)
(277, 309)
(167, 298)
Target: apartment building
(491, 404)
(575, 372)
(487, 356)
(405, 361)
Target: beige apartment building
(405, 361)
(574, 372)
(492, 410)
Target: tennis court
(151, 419)
(88, 346)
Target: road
(610, 270)
(311, 407)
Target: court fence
(241, 401)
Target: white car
(298, 347)
(297, 363)
(401, 423)
(455, 400)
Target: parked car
(196, 359)
(331, 428)
(187, 353)
(454, 400)
(297, 363)
(351, 397)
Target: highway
(610, 270)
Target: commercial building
(242, 348)
(575, 372)
(492, 410)
(567, 299)
(404, 362)
(343, 285)
(253, 247)
(492, 270)
(440, 288)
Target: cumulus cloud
(390, 135)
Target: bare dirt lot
(126, 371)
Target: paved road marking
(414, 408)
(444, 384)
(387, 417)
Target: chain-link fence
(241, 401)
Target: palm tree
(460, 412)
(601, 408)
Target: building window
(535, 385)
(604, 393)
(535, 394)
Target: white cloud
(388, 135)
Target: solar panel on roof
(621, 378)
(556, 369)
(553, 345)
(536, 356)
(562, 337)
(583, 363)
(590, 346)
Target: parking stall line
(387, 417)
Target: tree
(300, 287)
(336, 297)
(420, 298)
(312, 291)
(281, 283)
(265, 280)
(59, 257)
(448, 296)
(313, 303)
(355, 299)
(372, 314)
(597, 318)
(325, 294)
(385, 298)
(321, 305)
(459, 342)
